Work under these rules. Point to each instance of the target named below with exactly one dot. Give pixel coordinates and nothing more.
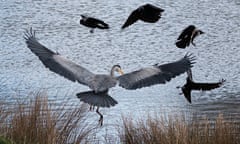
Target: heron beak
(120, 71)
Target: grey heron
(93, 23)
(100, 83)
(147, 13)
(187, 36)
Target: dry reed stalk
(180, 131)
(37, 122)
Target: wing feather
(187, 32)
(185, 37)
(133, 17)
(98, 23)
(97, 99)
(153, 9)
(178, 67)
(57, 63)
(156, 74)
(187, 93)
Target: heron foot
(100, 121)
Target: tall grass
(39, 123)
(179, 131)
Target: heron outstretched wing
(57, 63)
(157, 74)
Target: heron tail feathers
(97, 99)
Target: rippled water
(142, 44)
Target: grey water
(140, 45)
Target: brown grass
(179, 131)
(38, 123)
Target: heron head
(116, 68)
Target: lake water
(140, 45)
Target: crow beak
(201, 32)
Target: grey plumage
(156, 74)
(58, 64)
(101, 99)
(99, 83)
(144, 77)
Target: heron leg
(101, 116)
(91, 108)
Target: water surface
(140, 45)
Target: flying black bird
(191, 85)
(93, 23)
(100, 83)
(147, 13)
(187, 36)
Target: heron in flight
(187, 36)
(100, 83)
(147, 13)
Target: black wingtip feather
(191, 58)
(29, 34)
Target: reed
(40, 123)
(180, 131)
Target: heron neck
(112, 73)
